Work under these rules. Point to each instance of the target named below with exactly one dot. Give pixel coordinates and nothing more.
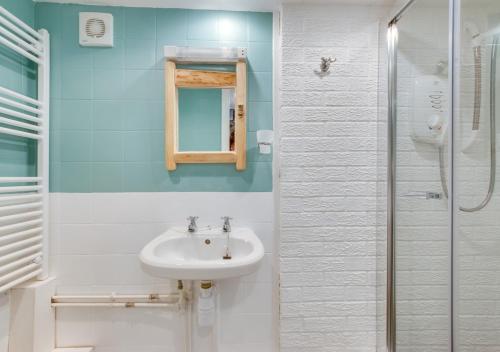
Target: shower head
(471, 28)
(491, 33)
(479, 38)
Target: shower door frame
(453, 51)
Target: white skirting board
(75, 349)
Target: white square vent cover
(96, 29)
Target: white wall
(328, 179)
(96, 240)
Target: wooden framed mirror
(230, 90)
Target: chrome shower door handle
(423, 195)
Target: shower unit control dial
(429, 118)
(435, 124)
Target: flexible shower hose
(478, 84)
(477, 98)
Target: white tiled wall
(96, 241)
(328, 179)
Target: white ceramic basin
(178, 254)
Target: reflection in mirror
(206, 119)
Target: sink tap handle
(227, 225)
(192, 227)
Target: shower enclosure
(443, 206)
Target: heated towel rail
(24, 200)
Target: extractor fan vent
(96, 29)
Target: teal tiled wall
(107, 105)
(17, 155)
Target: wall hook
(324, 66)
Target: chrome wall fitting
(324, 66)
(192, 227)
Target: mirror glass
(206, 119)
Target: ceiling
(235, 5)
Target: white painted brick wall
(328, 157)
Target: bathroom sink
(179, 254)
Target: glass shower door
(444, 231)
(477, 210)
(421, 228)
